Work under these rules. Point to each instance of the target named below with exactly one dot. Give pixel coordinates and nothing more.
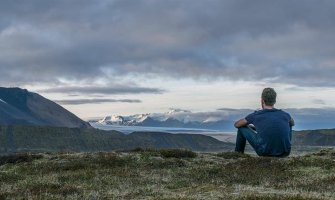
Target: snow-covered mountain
(173, 118)
(113, 120)
(132, 120)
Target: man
(268, 131)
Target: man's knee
(246, 129)
(243, 128)
(252, 127)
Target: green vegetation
(167, 174)
(232, 155)
(177, 153)
(56, 139)
(166, 153)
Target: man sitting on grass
(268, 131)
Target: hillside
(26, 138)
(21, 107)
(167, 174)
(50, 139)
(322, 137)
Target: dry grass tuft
(19, 158)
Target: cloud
(103, 90)
(284, 42)
(319, 101)
(95, 101)
(226, 114)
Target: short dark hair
(269, 96)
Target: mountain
(113, 120)
(21, 107)
(26, 138)
(170, 119)
(321, 137)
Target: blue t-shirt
(273, 129)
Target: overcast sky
(137, 56)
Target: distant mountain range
(21, 107)
(174, 118)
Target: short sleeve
(250, 118)
(289, 117)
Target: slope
(21, 107)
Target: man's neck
(268, 107)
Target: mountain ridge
(320, 137)
(21, 107)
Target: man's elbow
(240, 123)
(292, 123)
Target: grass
(18, 158)
(167, 174)
(232, 155)
(166, 153)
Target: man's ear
(262, 103)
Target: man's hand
(240, 123)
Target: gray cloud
(103, 90)
(319, 101)
(95, 101)
(285, 41)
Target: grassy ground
(164, 174)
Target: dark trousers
(243, 134)
(247, 133)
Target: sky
(124, 57)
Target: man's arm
(291, 122)
(240, 123)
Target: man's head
(269, 96)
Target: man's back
(273, 126)
(273, 129)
